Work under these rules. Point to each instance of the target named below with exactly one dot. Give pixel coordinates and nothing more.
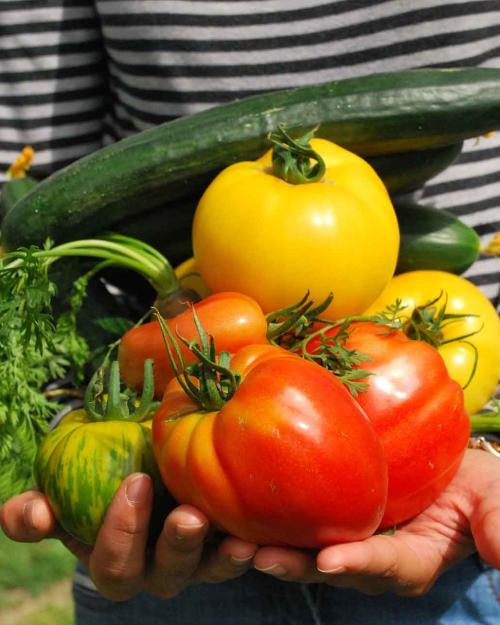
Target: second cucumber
(434, 239)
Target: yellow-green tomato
(257, 234)
(417, 288)
(189, 276)
(82, 462)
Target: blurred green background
(35, 583)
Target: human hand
(464, 518)
(118, 563)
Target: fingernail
(335, 571)
(184, 530)
(240, 561)
(275, 569)
(29, 515)
(137, 490)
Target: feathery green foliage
(35, 349)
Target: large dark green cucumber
(434, 239)
(406, 171)
(168, 228)
(376, 114)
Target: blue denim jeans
(468, 594)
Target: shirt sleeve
(53, 92)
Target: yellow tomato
(189, 276)
(255, 233)
(417, 288)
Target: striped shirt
(77, 74)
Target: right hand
(118, 563)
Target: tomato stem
(292, 158)
(426, 324)
(332, 354)
(104, 400)
(209, 380)
(286, 326)
(427, 321)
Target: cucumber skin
(434, 239)
(407, 171)
(13, 190)
(376, 114)
(168, 228)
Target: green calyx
(105, 401)
(297, 327)
(208, 379)
(426, 324)
(332, 354)
(292, 158)
(287, 326)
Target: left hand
(465, 517)
(119, 562)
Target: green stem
(292, 158)
(119, 251)
(115, 405)
(485, 421)
(287, 325)
(102, 247)
(216, 382)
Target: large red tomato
(418, 413)
(290, 459)
(233, 319)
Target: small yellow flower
(493, 247)
(22, 163)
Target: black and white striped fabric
(75, 74)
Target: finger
(229, 559)
(28, 517)
(117, 562)
(485, 519)
(178, 551)
(288, 564)
(379, 564)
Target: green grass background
(33, 569)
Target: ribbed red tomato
(290, 459)
(417, 411)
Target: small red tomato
(232, 319)
(417, 411)
(290, 459)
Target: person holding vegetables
(432, 557)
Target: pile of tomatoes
(344, 423)
(292, 457)
(282, 452)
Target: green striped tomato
(82, 462)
